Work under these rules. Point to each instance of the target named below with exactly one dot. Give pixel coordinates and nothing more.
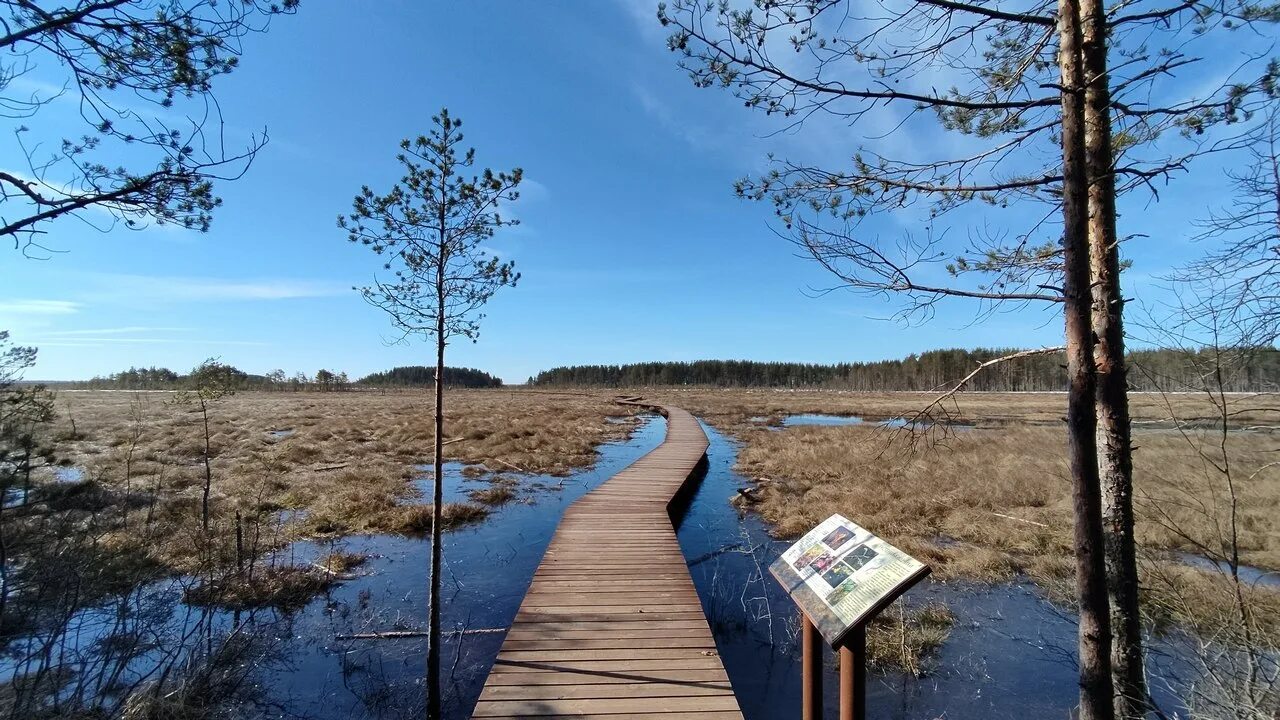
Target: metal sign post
(811, 670)
(841, 576)
(853, 675)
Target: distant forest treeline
(1257, 371)
(154, 378)
(414, 375)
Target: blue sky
(632, 245)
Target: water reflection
(488, 568)
(824, 420)
(819, 419)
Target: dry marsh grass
(994, 502)
(990, 504)
(416, 519)
(732, 407)
(979, 509)
(311, 464)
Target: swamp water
(487, 569)
(1010, 654)
(303, 664)
(822, 420)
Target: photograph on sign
(839, 573)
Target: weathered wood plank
(597, 691)
(569, 677)
(612, 626)
(599, 706)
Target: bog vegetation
(286, 466)
(117, 505)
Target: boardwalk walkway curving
(611, 626)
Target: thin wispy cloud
(107, 341)
(644, 13)
(132, 335)
(197, 289)
(25, 308)
(532, 191)
(35, 90)
(113, 331)
(697, 136)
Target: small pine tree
(431, 228)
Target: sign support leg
(811, 674)
(853, 675)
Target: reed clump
(903, 640)
(501, 490)
(416, 519)
(342, 562)
(283, 586)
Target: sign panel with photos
(841, 575)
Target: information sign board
(841, 575)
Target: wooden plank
(611, 626)
(708, 715)
(601, 706)
(609, 641)
(604, 690)
(652, 620)
(611, 623)
(615, 668)
(622, 652)
(581, 678)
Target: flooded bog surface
(305, 664)
(817, 419)
(1011, 653)
(487, 569)
(840, 420)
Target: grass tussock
(493, 496)
(1209, 601)
(501, 490)
(341, 562)
(416, 519)
(287, 587)
(903, 640)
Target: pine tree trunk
(1112, 392)
(437, 511)
(433, 623)
(1095, 635)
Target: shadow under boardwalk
(611, 626)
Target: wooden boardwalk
(611, 626)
